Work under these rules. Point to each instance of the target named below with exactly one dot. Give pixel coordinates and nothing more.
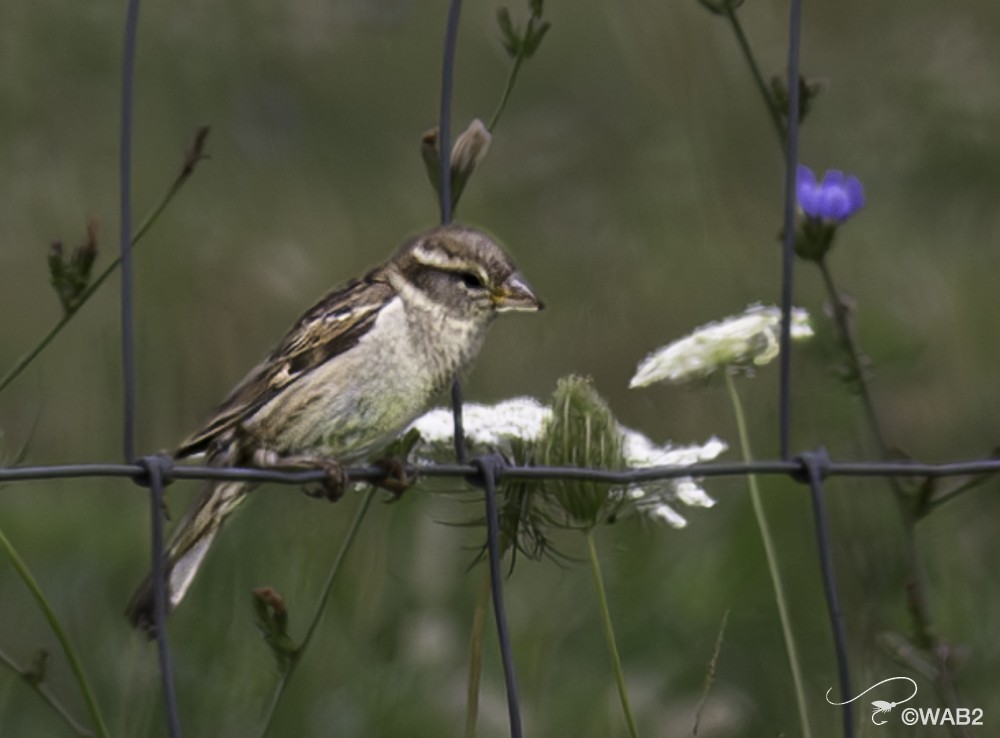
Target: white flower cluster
(523, 419)
(748, 339)
(486, 427)
(653, 498)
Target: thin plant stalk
(71, 656)
(476, 657)
(710, 673)
(609, 633)
(324, 598)
(194, 156)
(854, 356)
(747, 51)
(919, 607)
(772, 560)
(916, 589)
(46, 694)
(508, 88)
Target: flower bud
(582, 432)
(469, 150)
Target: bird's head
(465, 271)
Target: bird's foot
(331, 487)
(396, 481)
(333, 484)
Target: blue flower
(835, 199)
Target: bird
(352, 372)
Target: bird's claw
(396, 481)
(331, 487)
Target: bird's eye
(471, 280)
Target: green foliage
(35, 673)
(518, 42)
(401, 447)
(70, 276)
(809, 90)
(720, 7)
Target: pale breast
(355, 403)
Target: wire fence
(808, 468)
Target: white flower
(523, 419)
(747, 340)
(654, 499)
(486, 426)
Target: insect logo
(880, 707)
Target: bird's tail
(186, 550)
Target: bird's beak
(515, 294)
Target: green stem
(609, 632)
(916, 588)
(856, 358)
(60, 633)
(193, 157)
(772, 560)
(476, 657)
(710, 673)
(46, 694)
(345, 546)
(508, 88)
(758, 77)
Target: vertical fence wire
(814, 464)
(488, 470)
(444, 123)
(125, 226)
(461, 452)
(488, 467)
(788, 240)
(444, 165)
(154, 469)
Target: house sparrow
(351, 373)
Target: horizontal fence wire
(797, 468)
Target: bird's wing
(332, 326)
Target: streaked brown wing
(332, 326)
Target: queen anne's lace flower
(522, 420)
(656, 499)
(486, 426)
(745, 340)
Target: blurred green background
(638, 183)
